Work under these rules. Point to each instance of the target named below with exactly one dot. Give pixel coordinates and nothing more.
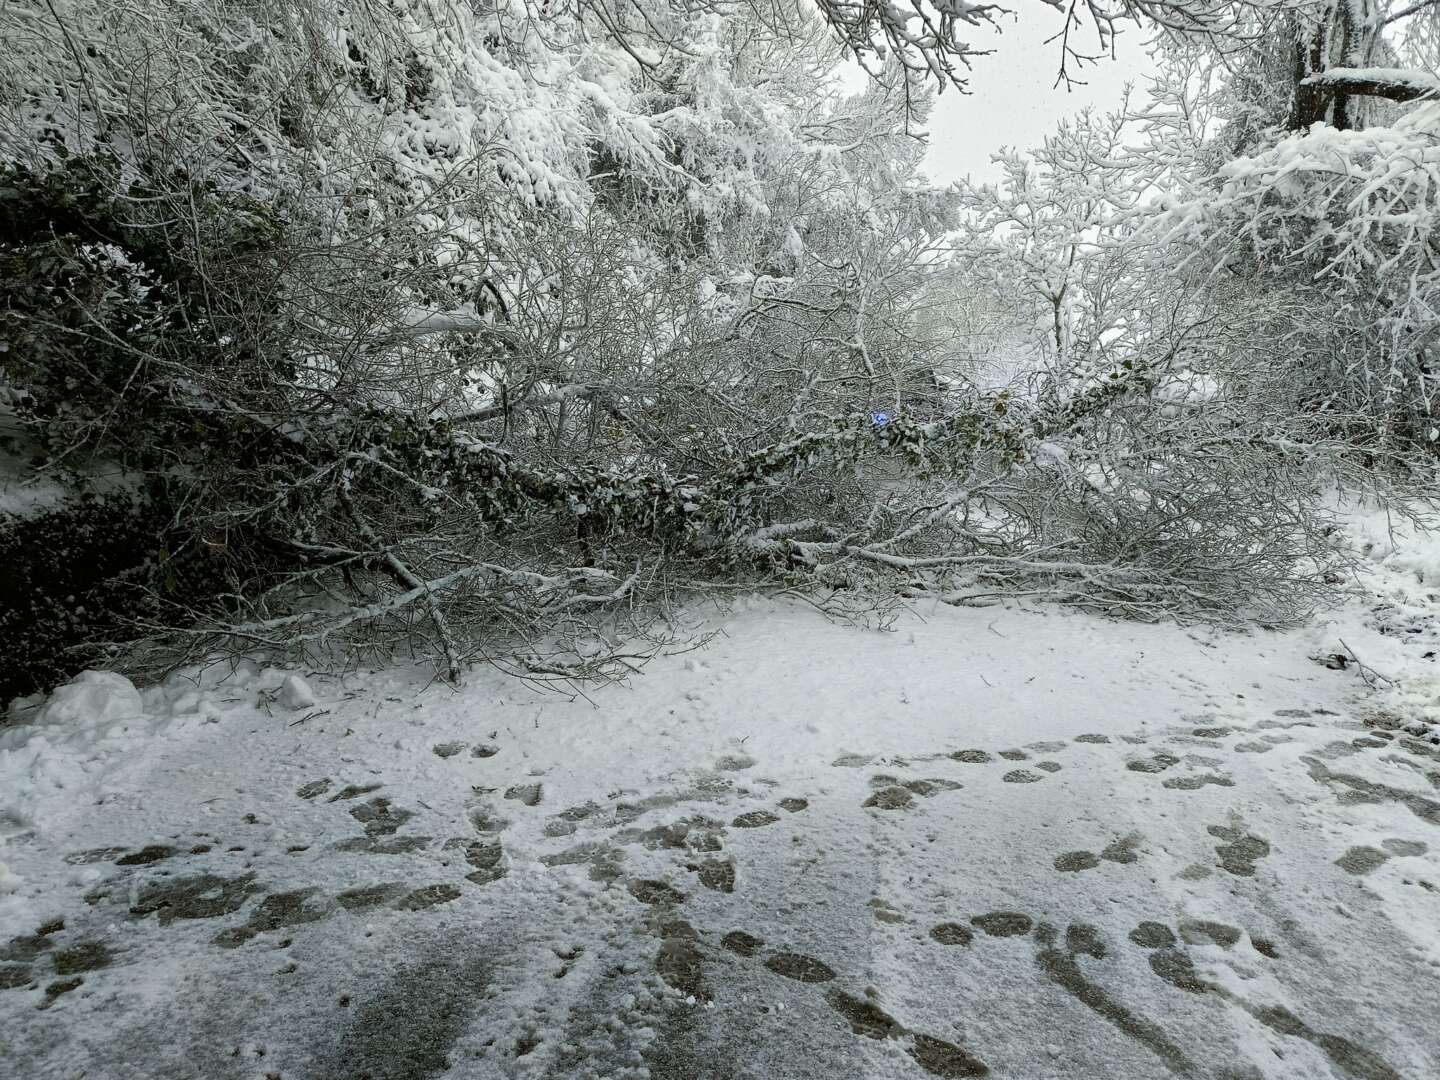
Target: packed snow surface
(1006, 842)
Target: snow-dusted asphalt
(991, 843)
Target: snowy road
(992, 843)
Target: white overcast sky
(1013, 100)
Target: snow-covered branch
(1394, 84)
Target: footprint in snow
(735, 763)
(1075, 861)
(278, 911)
(353, 791)
(649, 891)
(1003, 923)
(525, 794)
(602, 859)
(892, 793)
(94, 855)
(1241, 850)
(1206, 932)
(890, 798)
(755, 819)
(799, 967)
(950, 933)
(1121, 851)
(884, 911)
(380, 817)
(1363, 859)
(568, 820)
(741, 943)
(483, 855)
(394, 845)
(1407, 848)
(717, 875)
(146, 855)
(972, 757)
(1196, 781)
(1154, 764)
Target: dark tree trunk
(1308, 102)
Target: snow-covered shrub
(88, 573)
(1339, 225)
(114, 312)
(110, 298)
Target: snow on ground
(1016, 843)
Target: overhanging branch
(1393, 84)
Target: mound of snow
(80, 730)
(295, 693)
(1391, 626)
(1421, 557)
(90, 699)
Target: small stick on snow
(1368, 673)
